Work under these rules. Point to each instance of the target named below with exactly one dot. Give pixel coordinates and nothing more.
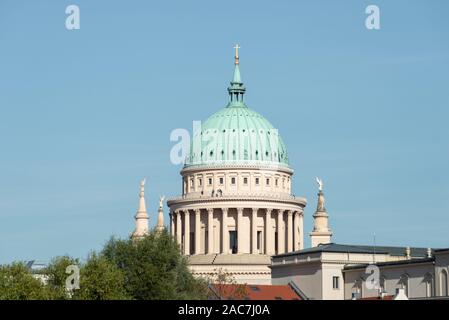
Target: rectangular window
(245, 181)
(259, 240)
(268, 182)
(221, 181)
(257, 181)
(233, 181)
(210, 181)
(277, 182)
(200, 182)
(336, 282)
(233, 241)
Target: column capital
(210, 210)
(290, 212)
(269, 210)
(197, 211)
(240, 210)
(255, 210)
(225, 209)
(186, 212)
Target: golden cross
(237, 47)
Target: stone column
(224, 231)
(296, 231)
(187, 232)
(254, 231)
(178, 227)
(280, 222)
(268, 233)
(289, 231)
(239, 230)
(210, 231)
(197, 231)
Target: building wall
(329, 271)
(197, 182)
(441, 268)
(307, 277)
(416, 276)
(313, 272)
(241, 274)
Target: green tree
(100, 280)
(56, 275)
(154, 268)
(18, 283)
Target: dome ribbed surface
(237, 135)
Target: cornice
(297, 201)
(235, 166)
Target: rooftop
(254, 292)
(390, 263)
(345, 248)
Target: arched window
(403, 283)
(428, 279)
(443, 283)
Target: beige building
(237, 208)
(320, 271)
(421, 278)
(237, 212)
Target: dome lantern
(236, 89)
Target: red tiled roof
(255, 292)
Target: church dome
(236, 135)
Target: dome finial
(236, 89)
(237, 47)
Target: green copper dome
(237, 135)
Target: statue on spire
(320, 183)
(321, 200)
(160, 217)
(142, 187)
(161, 201)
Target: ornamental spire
(321, 233)
(141, 216)
(236, 89)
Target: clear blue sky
(86, 114)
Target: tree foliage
(154, 268)
(18, 283)
(149, 268)
(100, 280)
(56, 275)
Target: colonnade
(284, 234)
